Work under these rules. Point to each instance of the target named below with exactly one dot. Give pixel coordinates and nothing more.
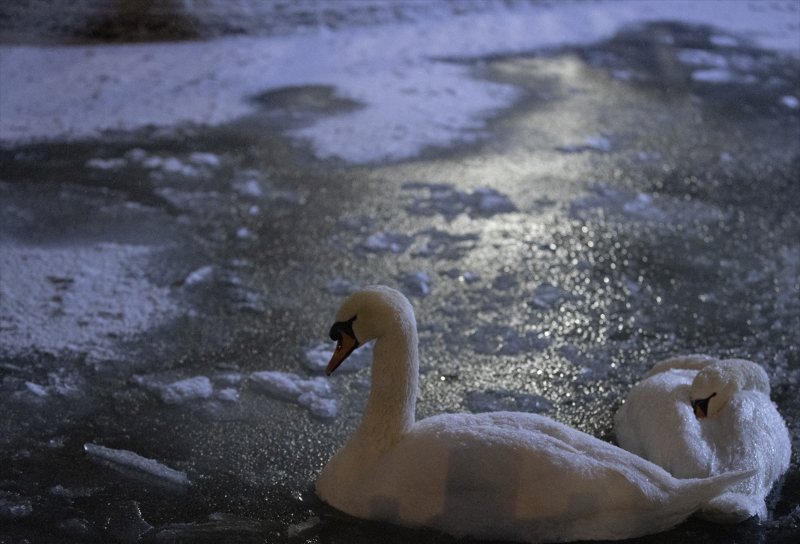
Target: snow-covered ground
(411, 98)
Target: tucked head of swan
(368, 314)
(715, 384)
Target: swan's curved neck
(389, 414)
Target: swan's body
(697, 416)
(503, 475)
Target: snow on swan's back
(502, 475)
(697, 416)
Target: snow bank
(411, 100)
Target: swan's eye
(343, 327)
(700, 406)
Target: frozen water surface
(557, 226)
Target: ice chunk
(416, 283)
(228, 379)
(37, 389)
(204, 159)
(243, 233)
(504, 282)
(13, 507)
(106, 164)
(490, 202)
(445, 199)
(320, 407)
(598, 143)
(200, 275)
(172, 165)
(296, 528)
(701, 57)
(250, 188)
(341, 287)
(790, 101)
(314, 393)
(547, 295)
(137, 154)
(228, 395)
(590, 143)
(502, 340)
(133, 460)
(198, 387)
(387, 241)
(153, 162)
(714, 75)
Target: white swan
(500, 475)
(697, 416)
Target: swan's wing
(747, 434)
(657, 423)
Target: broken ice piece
(388, 241)
(790, 101)
(416, 283)
(228, 395)
(106, 164)
(314, 394)
(204, 159)
(296, 528)
(13, 506)
(341, 287)
(200, 275)
(36, 389)
(133, 460)
(198, 387)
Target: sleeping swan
(501, 475)
(697, 416)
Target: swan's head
(368, 314)
(715, 384)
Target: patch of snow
(198, 387)
(133, 460)
(77, 299)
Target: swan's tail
(733, 507)
(707, 491)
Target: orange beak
(345, 345)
